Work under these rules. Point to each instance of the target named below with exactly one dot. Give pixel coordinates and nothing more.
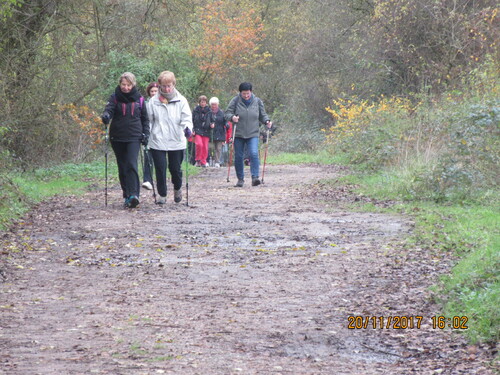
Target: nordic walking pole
(106, 140)
(151, 171)
(187, 172)
(265, 155)
(231, 152)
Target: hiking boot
(239, 183)
(177, 195)
(147, 185)
(161, 200)
(255, 181)
(133, 201)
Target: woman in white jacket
(171, 120)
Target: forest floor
(252, 280)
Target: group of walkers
(210, 126)
(164, 123)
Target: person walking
(171, 123)
(129, 127)
(246, 111)
(218, 126)
(201, 131)
(147, 183)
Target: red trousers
(201, 148)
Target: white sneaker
(217, 165)
(161, 200)
(147, 185)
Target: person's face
(214, 107)
(126, 86)
(246, 94)
(203, 103)
(167, 87)
(153, 91)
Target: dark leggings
(174, 167)
(126, 157)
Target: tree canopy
(61, 59)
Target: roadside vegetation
(439, 158)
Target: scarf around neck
(247, 102)
(170, 95)
(130, 97)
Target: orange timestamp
(405, 322)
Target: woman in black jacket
(129, 127)
(201, 131)
(219, 128)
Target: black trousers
(172, 160)
(126, 157)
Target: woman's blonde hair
(129, 77)
(167, 76)
(213, 100)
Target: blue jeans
(253, 152)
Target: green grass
(304, 158)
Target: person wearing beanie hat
(246, 111)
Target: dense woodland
(61, 59)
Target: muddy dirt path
(258, 280)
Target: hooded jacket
(168, 121)
(250, 117)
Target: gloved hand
(187, 133)
(105, 118)
(144, 140)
